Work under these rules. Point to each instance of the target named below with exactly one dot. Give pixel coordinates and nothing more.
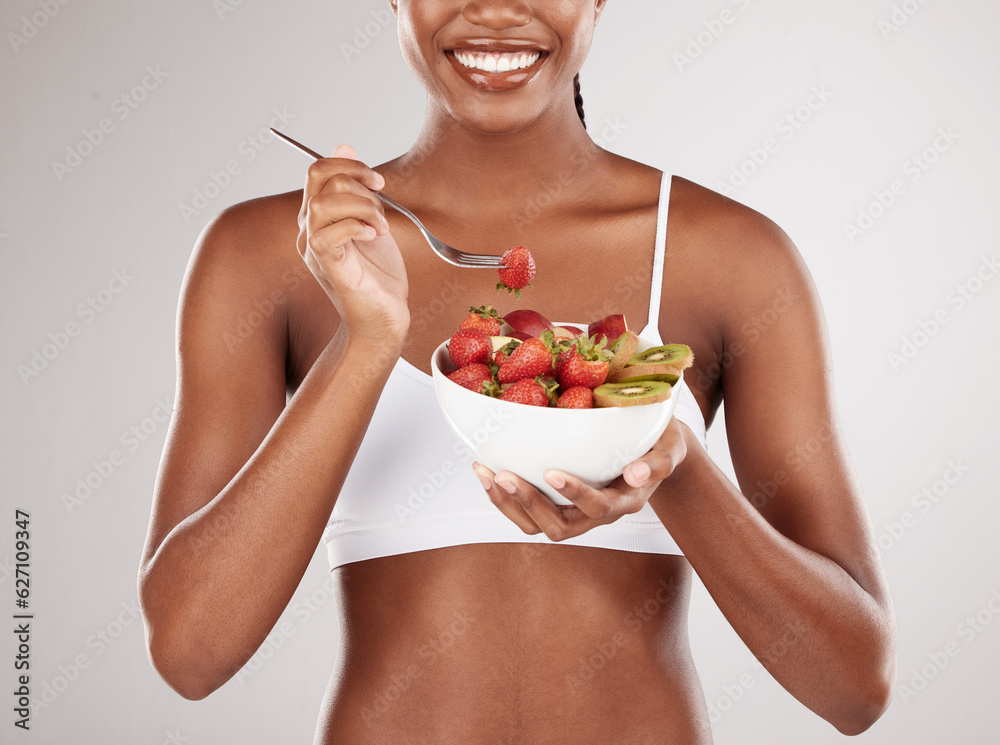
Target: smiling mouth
(496, 62)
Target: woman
(465, 622)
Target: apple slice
(499, 341)
(610, 327)
(529, 322)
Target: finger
(345, 151)
(603, 506)
(553, 519)
(505, 502)
(322, 170)
(349, 153)
(329, 208)
(667, 453)
(331, 243)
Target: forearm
(222, 577)
(815, 628)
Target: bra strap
(656, 284)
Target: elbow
(868, 703)
(178, 668)
(182, 662)
(186, 683)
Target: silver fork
(446, 252)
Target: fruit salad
(524, 358)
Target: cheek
(416, 23)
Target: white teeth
(497, 61)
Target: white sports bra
(412, 487)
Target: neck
(464, 172)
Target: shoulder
(736, 256)
(713, 223)
(246, 242)
(243, 267)
(252, 229)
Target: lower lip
(496, 81)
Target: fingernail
(379, 180)
(507, 486)
(556, 480)
(483, 479)
(640, 472)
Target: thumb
(345, 151)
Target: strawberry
(531, 391)
(485, 317)
(532, 357)
(520, 268)
(504, 352)
(586, 364)
(577, 397)
(470, 345)
(473, 377)
(561, 357)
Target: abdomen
(515, 643)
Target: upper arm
(231, 351)
(781, 419)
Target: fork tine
(485, 259)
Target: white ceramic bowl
(594, 445)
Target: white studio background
(867, 129)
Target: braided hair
(578, 99)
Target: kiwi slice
(631, 394)
(669, 358)
(624, 347)
(668, 378)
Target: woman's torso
(510, 643)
